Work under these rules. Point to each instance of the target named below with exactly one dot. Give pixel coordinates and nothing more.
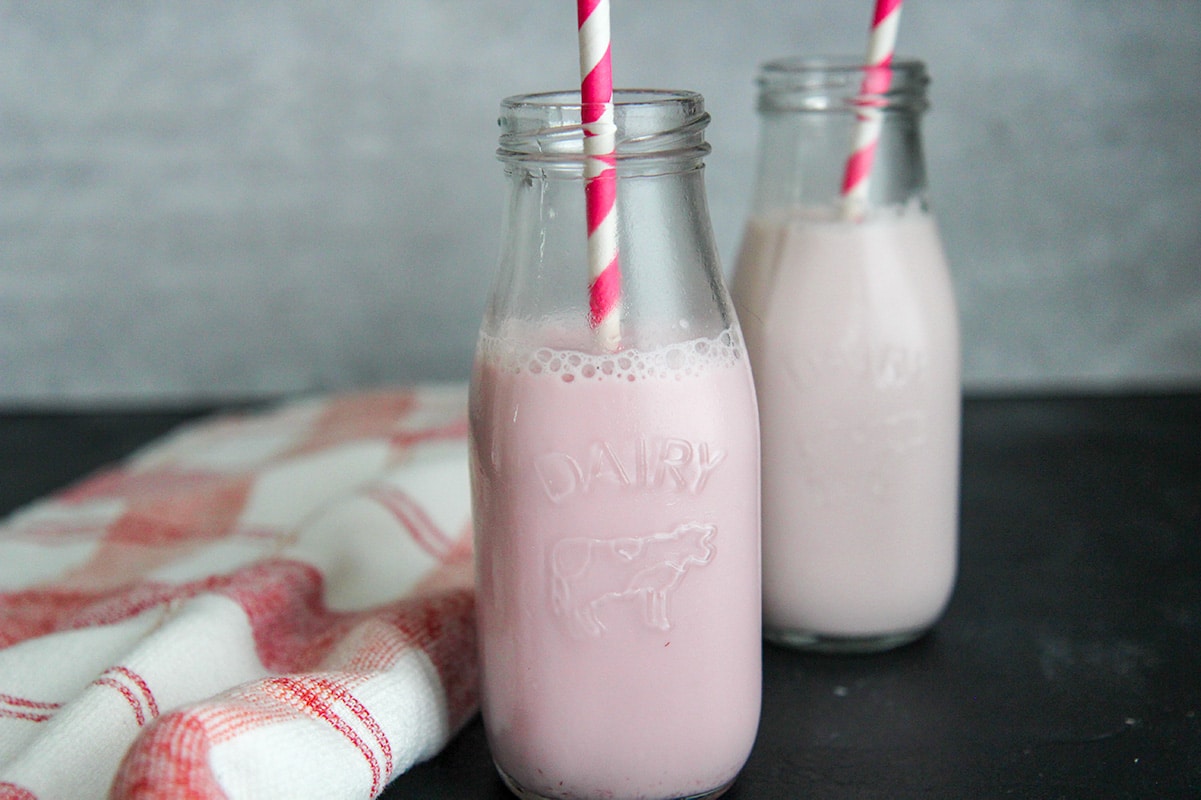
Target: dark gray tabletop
(1068, 664)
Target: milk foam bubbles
(570, 358)
(853, 337)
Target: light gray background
(211, 200)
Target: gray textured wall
(232, 199)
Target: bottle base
(527, 794)
(810, 642)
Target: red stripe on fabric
(29, 716)
(225, 723)
(363, 715)
(883, 9)
(314, 701)
(161, 527)
(858, 166)
(282, 599)
(111, 482)
(443, 626)
(169, 759)
(200, 510)
(365, 415)
(600, 194)
(134, 703)
(604, 293)
(420, 531)
(451, 430)
(423, 530)
(24, 702)
(36, 612)
(26, 709)
(292, 627)
(143, 687)
(121, 482)
(10, 791)
(378, 648)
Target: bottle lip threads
(832, 82)
(652, 124)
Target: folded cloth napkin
(269, 604)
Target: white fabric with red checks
(270, 604)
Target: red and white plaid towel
(275, 604)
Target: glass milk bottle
(850, 320)
(616, 490)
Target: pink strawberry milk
(851, 323)
(616, 489)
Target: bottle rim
(651, 124)
(840, 83)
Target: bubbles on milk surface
(678, 359)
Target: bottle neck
(813, 115)
(666, 256)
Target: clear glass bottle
(851, 323)
(616, 492)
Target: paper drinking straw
(876, 80)
(600, 171)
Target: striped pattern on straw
(876, 80)
(600, 171)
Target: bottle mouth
(652, 124)
(837, 83)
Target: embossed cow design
(588, 573)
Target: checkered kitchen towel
(275, 604)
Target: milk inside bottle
(851, 323)
(616, 489)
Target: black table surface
(1068, 664)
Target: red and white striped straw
(600, 171)
(876, 80)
